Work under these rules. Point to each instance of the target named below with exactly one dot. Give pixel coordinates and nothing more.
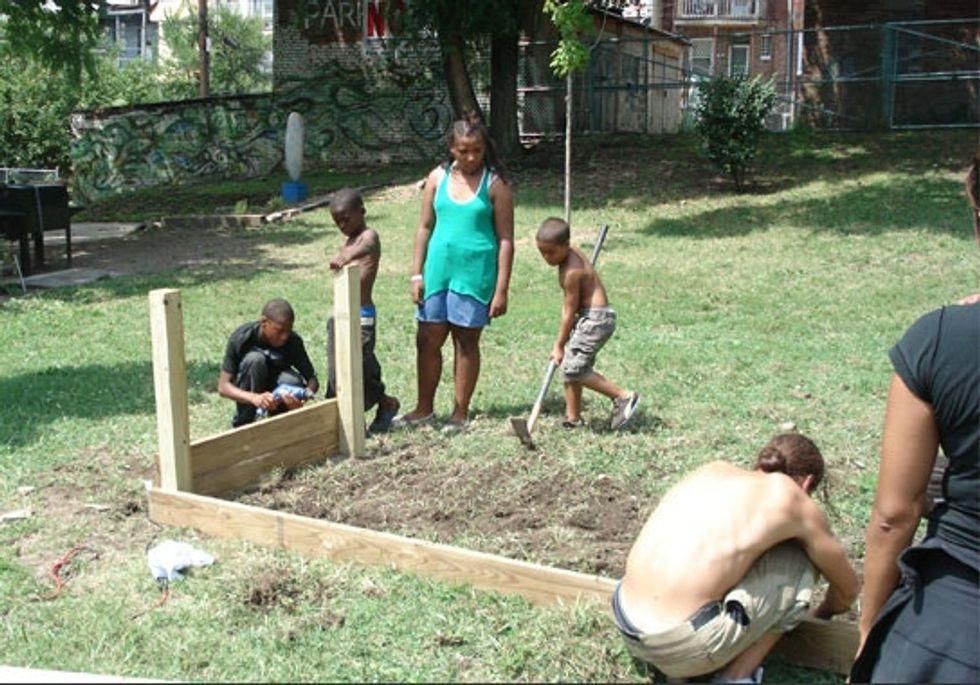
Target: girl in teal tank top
(462, 254)
(461, 264)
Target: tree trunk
(503, 95)
(461, 93)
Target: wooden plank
(310, 450)
(539, 584)
(826, 645)
(347, 356)
(170, 389)
(262, 437)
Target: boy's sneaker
(577, 423)
(623, 410)
(754, 679)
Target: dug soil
(531, 509)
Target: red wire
(55, 570)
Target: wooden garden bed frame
(192, 474)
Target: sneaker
(405, 421)
(383, 418)
(577, 423)
(754, 679)
(623, 409)
(452, 426)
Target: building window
(702, 56)
(765, 47)
(738, 62)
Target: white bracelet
(415, 278)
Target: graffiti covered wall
(366, 98)
(121, 149)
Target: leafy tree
(731, 114)
(37, 99)
(572, 20)
(58, 34)
(238, 48)
(458, 26)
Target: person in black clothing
(260, 356)
(920, 614)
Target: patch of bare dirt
(560, 518)
(95, 503)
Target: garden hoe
(523, 427)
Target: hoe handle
(600, 239)
(548, 375)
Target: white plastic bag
(168, 558)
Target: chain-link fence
(876, 76)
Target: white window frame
(765, 47)
(710, 42)
(731, 59)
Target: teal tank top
(462, 252)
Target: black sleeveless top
(938, 358)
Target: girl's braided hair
(470, 124)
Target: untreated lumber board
(310, 450)
(348, 359)
(170, 388)
(827, 645)
(239, 456)
(539, 584)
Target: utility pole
(203, 45)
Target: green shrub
(36, 103)
(731, 115)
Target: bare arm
(908, 452)
(502, 197)
(828, 555)
(571, 286)
(366, 244)
(228, 389)
(426, 221)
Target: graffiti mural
(388, 112)
(124, 149)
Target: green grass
(737, 313)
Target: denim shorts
(459, 310)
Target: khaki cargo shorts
(593, 328)
(773, 596)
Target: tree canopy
(59, 34)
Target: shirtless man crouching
(727, 563)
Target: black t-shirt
(938, 358)
(246, 338)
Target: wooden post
(347, 358)
(170, 387)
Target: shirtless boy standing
(587, 322)
(363, 248)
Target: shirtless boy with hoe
(727, 563)
(363, 248)
(587, 322)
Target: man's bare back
(708, 531)
(577, 272)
